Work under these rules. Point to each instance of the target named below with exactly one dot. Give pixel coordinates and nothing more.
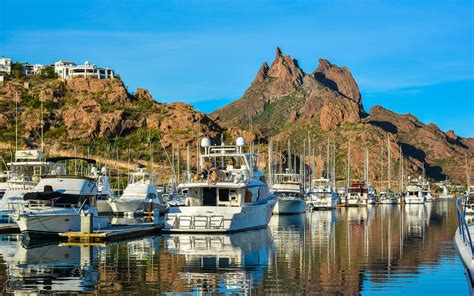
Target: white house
(6, 65)
(67, 70)
(28, 69)
(62, 68)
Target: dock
(114, 233)
(9, 228)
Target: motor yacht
(140, 195)
(56, 205)
(287, 188)
(229, 193)
(321, 195)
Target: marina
(365, 250)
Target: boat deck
(465, 250)
(113, 233)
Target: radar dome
(205, 142)
(240, 141)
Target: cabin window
(224, 195)
(209, 196)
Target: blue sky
(409, 56)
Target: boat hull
(208, 219)
(318, 202)
(414, 200)
(134, 206)
(49, 224)
(289, 206)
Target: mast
(334, 167)
(188, 160)
(327, 160)
(289, 156)
(16, 125)
(348, 167)
(302, 164)
(270, 147)
(42, 128)
(366, 167)
(389, 173)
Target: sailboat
(288, 189)
(321, 194)
(388, 196)
(445, 193)
(229, 193)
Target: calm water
(385, 249)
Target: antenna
(16, 125)
(289, 156)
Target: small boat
(229, 194)
(139, 196)
(321, 195)
(388, 197)
(463, 237)
(105, 194)
(56, 205)
(288, 189)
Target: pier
(114, 233)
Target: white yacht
(55, 206)
(105, 194)
(228, 195)
(3, 183)
(289, 192)
(321, 195)
(139, 196)
(356, 195)
(463, 236)
(426, 188)
(415, 194)
(24, 173)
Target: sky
(408, 56)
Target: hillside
(285, 102)
(97, 117)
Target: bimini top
(61, 158)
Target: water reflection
(386, 248)
(222, 263)
(47, 267)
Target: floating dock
(114, 233)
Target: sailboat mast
(289, 156)
(348, 167)
(188, 159)
(327, 160)
(389, 174)
(270, 147)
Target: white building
(62, 68)
(6, 65)
(67, 70)
(28, 69)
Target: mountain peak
(338, 78)
(262, 73)
(278, 53)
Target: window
(223, 194)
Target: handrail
(461, 204)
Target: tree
(17, 69)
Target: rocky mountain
(102, 118)
(285, 102)
(97, 116)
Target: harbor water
(384, 249)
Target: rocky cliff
(285, 102)
(93, 112)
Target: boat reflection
(233, 263)
(48, 268)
